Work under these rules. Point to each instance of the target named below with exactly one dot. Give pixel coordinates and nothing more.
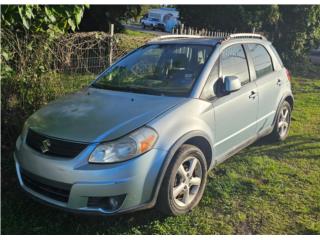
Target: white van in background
(164, 19)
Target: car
(148, 129)
(152, 23)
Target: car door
(269, 83)
(235, 113)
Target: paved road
(140, 29)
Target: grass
(138, 33)
(268, 188)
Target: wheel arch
(290, 100)
(197, 138)
(203, 144)
(287, 97)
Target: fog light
(110, 204)
(113, 203)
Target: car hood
(95, 115)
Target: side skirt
(242, 145)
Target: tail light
(288, 74)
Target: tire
(143, 26)
(282, 124)
(181, 191)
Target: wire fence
(74, 59)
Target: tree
(298, 30)
(293, 29)
(98, 17)
(214, 17)
(50, 19)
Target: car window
(168, 69)
(277, 55)
(261, 59)
(234, 63)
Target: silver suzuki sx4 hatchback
(149, 128)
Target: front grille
(52, 146)
(46, 187)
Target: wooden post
(111, 31)
(181, 29)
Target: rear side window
(261, 59)
(277, 55)
(234, 63)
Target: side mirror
(231, 83)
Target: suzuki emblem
(45, 145)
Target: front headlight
(136, 143)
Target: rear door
(269, 83)
(236, 112)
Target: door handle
(253, 95)
(279, 82)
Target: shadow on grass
(296, 144)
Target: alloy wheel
(187, 181)
(283, 121)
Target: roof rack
(174, 36)
(245, 35)
(223, 38)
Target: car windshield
(159, 69)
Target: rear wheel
(282, 124)
(184, 181)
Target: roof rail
(173, 36)
(245, 35)
(228, 37)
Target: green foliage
(98, 17)
(298, 30)
(27, 32)
(51, 19)
(145, 8)
(294, 29)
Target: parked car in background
(152, 23)
(315, 56)
(146, 132)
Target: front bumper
(134, 179)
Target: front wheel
(282, 124)
(184, 181)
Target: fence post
(111, 30)
(181, 29)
